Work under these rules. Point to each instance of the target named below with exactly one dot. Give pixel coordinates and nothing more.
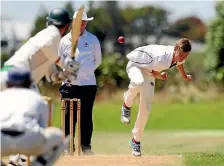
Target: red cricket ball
(121, 39)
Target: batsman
(39, 53)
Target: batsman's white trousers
(142, 83)
(31, 142)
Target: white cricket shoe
(136, 148)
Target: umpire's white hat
(84, 16)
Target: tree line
(111, 21)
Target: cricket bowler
(146, 64)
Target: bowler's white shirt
(88, 54)
(22, 109)
(153, 57)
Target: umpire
(88, 55)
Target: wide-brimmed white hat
(84, 16)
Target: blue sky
(27, 10)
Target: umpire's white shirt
(22, 109)
(88, 54)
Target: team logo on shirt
(152, 83)
(86, 44)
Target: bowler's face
(180, 55)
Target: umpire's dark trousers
(87, 95)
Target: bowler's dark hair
(184, 45)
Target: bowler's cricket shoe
(136, 148)
(125, 114)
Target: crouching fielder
(144, 66)
(39, 53)
(24, 116)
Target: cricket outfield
(176, 134)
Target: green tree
(145, 21)
(110, 21)
(40, 22)
(112, 72)
(190, 27)
(114, 11)
(70, 8)
(215, 43)
(101, 23)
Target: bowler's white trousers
(142, 83)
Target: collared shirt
(153, 57)
(88, 54)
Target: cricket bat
(76, 26)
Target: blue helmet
(19, 77)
